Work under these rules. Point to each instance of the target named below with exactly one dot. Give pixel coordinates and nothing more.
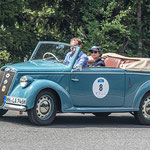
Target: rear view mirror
(25, 59)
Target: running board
(93, 109)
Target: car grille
(6, 79)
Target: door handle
(76, 80)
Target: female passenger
(95, 52)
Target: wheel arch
(141, 92)
(62, 94)
(143, 116)
(31, 92)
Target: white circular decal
(100, 87)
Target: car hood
(37, 66)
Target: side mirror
(25, 59)
(77, 68)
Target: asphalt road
(74, 132)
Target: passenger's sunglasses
(93, 52)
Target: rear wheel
(143, 115)
(45, 108)
(102, 114)
(2, 112)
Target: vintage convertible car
(44, 85)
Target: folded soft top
(130, 63)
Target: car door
(98, 87)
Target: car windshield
(52, 51)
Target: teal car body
(89, 90)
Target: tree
(120, 26)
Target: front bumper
(14, 107)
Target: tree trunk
(139, 24)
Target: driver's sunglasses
(73, 48)
(93, 52)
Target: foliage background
(120, 26)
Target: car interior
(113, 62)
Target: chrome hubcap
(146, 108)
(43, 108)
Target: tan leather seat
(113, 62)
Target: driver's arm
(83, 62)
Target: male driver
(82, 59)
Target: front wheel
(143, 115)
(45, 108)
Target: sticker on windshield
(100, 87)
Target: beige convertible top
(130, 63)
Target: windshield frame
(52, 42)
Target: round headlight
(25, 81)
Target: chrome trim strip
(139, 73)
(77, 72)
(14, 107)
(97, 73)
(91, 73)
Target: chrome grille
(6, 79)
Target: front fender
(36, 86)
(143, 89)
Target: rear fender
(143, 89)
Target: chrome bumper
(14, 107)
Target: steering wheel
(48, 53)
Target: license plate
(14, 100)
